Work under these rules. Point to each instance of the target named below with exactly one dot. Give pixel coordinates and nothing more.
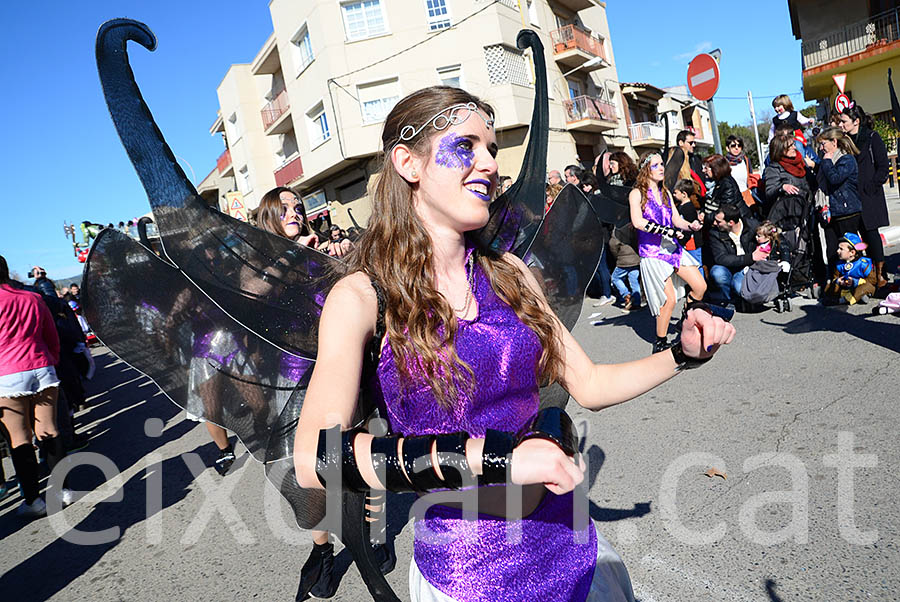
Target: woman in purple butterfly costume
(468, 340)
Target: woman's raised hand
(540, 461)
(702, 334)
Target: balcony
(872, 36)
(223, 163)
(589, 114)
(574, 5)
(573, 47)
(647, 134)
(290, 171)
(274, 114)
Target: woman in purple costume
(665, 267)
(468, 340)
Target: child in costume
(854, 278)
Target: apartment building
(859, 39)
(645, 105)
(307, 112)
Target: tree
(745, 133)
(809, 111)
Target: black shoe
(317, 574)
(384, 557)
(224, 461)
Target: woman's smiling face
(459, 176)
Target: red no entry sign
(703, 76)
(841, 102)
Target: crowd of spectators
(813, 212)
(42, 350)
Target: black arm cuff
(498, 445)
(451, 457)
(333, 462)
(386, 459)
(552, 424)
(683, 361)
(414, 448)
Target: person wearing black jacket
(873, 173)
(42, 284)
(726, 192)
(732, 247)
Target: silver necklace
(470, 283)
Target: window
(506, 65)
(376, 99)
(363, 19)
(450, 76)
(244, 183)
(533, 13)
(232, 129)
(437, 13)
(314, 202)
(317, 124)
(301, 48)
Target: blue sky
(64, 161)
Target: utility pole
(717, 142)
(755, 129)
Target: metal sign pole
(717, 142)
(755, 128)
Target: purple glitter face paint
(454, 152)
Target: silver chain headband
(456, 114)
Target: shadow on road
(118, 414)
(50, 570)
(818, 318)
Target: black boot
(225, 460)
(55, 451)
(385, 557)
(26, 467)
(317, 574)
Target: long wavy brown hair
(268, 216)
(397, 252)
(642, 182)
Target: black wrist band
(328, 458)
(451, 457)
(682, 361)
(415, 448)
(385, 458)
(350, 477)
(552, 424)
(498, 445)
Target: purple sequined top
(548, 562)
(654, 245)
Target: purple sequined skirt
(550, 561)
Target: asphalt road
(786, 412)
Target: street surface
(782, 412)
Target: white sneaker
(604, 301)
(35, 509)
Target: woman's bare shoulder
(355, 287)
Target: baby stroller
(795, 215)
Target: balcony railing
(274, 109)
(588, 107)
(572, 37)
(878, 30)
(646, 130)
(224, 160)
(288, 172)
